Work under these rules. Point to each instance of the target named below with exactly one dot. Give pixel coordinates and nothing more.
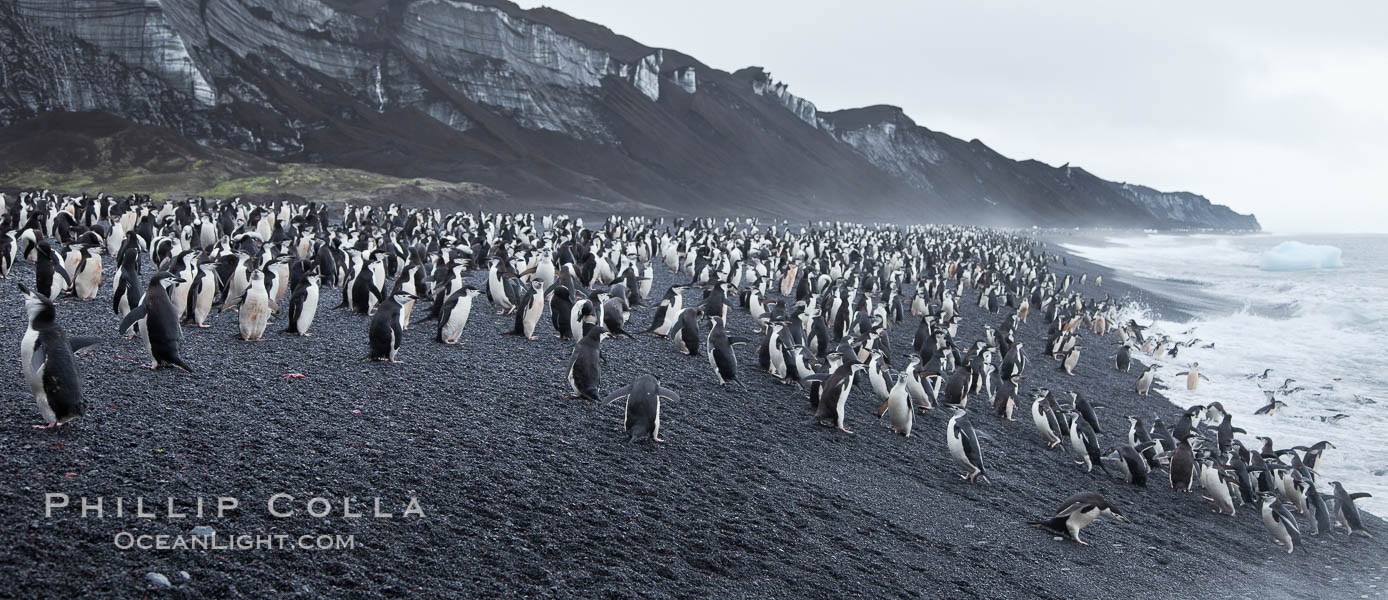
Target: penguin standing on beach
(585, 314)
(1124, 359)
(1183, 465)
(185, 266)
(235, 270)
(303, 305)
(1013, 362)
(1005, 401)
(922, 397)
(201, 295)
(86, 276)
(454, 314)
(1071, 360)
(529, 309)
(8, 250)
(1140, 438)
(47, 358)
(643, 396)
(615, 312)
(898, 407)
(833, 394)
(1186, 424)
(583, 368)
(667, 313)
(497, 289)
(368, 287)
(1163, 435)
(51, 277)
(685, 333)
(1226, 433)
(1077, 512)
(158, 323)
(386, 332)
(1319, 508)
(253, 308)
(561, 304)
(277, 281)
(128, 292)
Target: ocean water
(1324, 327)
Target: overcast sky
(1278, 109)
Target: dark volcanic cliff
(1035, 192)
(555, 111)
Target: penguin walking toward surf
(1046, 421)
(1071, 360)
(1085, 442)
(642, 416)
(1132, 463)
(1272, 406)
(720, 352)
(1346, 512)
(1280, 522)
(1077, 512)
(963, 446)
(1145, 380)
(1193, 376)
(1216, 483)
(47, 357)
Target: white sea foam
(1323, 328)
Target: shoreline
(1169, 299)
(1331, 311)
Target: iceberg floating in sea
(1296, 256)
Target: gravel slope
(529, 494)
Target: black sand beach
(528, 494)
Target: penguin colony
(826, 300)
